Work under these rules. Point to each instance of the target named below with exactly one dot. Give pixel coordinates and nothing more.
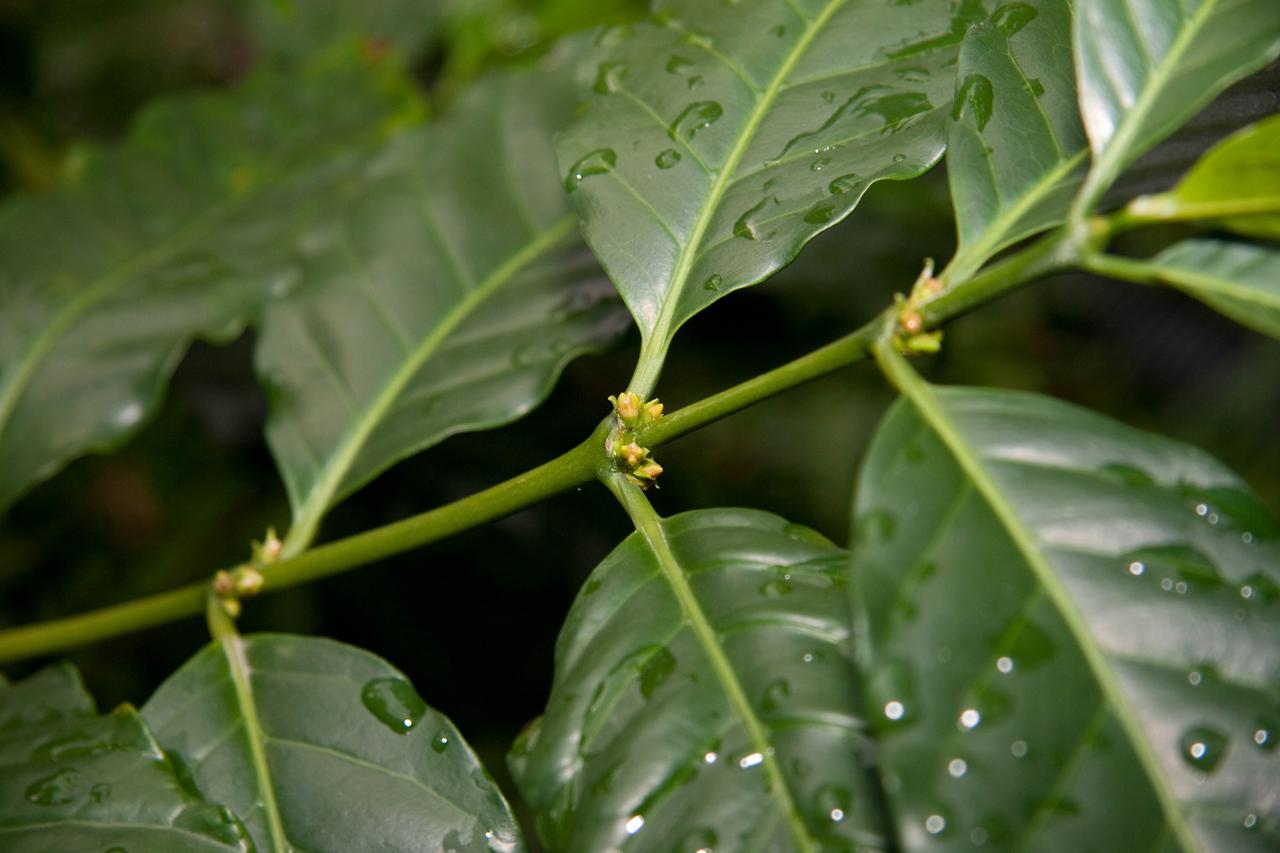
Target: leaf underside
(642, 748)
(354, 759)
(1070, 632)
(1241, 280)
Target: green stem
(572, 469)
(649, 525)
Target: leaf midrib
(646, 372)
(307, 518)
(925, 402)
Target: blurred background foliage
(473, 620)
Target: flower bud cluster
(628, 456)
(246, 581)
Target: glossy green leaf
(72, 780)
(446, 296)
(705, 703)
(1236, 184)
(295, 29)
(1239, 279)
(1069, 629)
(1146, 66)
(723, 136)
(180, 233)
(319, 746)
(1016, 148)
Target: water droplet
(976, 96)
(899, 158)
(775, 694)
(894, 710)
(1202, 510)
(656, 669)
(667, 159)
(609, 77)
(1004, 664)
(100, 792)
(820, 214)
(875, 527)
(780, 585)
(935, 824)
(1018, 748)
(1250, 820)
(1136, 568)
(710, 758)
(713, 283)
(1203, 747)
(833, 803)
(816, 165)
(440, 742)
(751, 759)
(56, 790)
(1166, 584)
(746, 226)
(634, 824)
(679, 65)
(394, 702)
(970, 718)
(1194, 678)
(913, 74)
(828, 97)
(598, 162)
(1032, 646)
(779, 31)
(1012, 17)
(844, 184)
(957, 767)
(694, 118)
(129, 414)
(1264, 737)
(1036, 87)
(807, 657)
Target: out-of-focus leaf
(1236, 184)
(180, 233)
(295, 29)
(1069, 629)
(706, 703)
(1016, 148)
(445, 295)
(72, 780)
(723, 136)
(320, 746)
(1146, 66)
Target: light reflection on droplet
(1166, 584)
(969, 718)
(957, 767)
(837, 815)
(1004, 663)
(1250, 820)
(1261, 737)
(1202, 510)
(1197, 750)
(1246, 537)
(894, 710)
(1195, 678)
(935, 823)
(710, 758)
(1018, 748)
(1136, 568)
(751, 759)
(1246, 591)
(635, 824)
(1180, 587)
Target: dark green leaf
(1236, 184)
(1146, 66)
(445, 296)
(319, 746)
(296, 29)
(72, 780)
(707, 703)
(1016, 147)
(1239, 279)
(1070, 631)
(180, 233)
(724, 136)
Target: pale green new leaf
(1236, 185)
(1069, 629)
(1146, 66)
(320, 746)
(180, 233)
(73, 780)
(705, 698)
(1015, 146)
(723, 136)
(1241, 280)
(445, 294)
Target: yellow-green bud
(248, 582)
(223, 584)
(633, 454)
(652, 410)
(628, 407)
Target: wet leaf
(320, 746)
(1146, 66)
(1063, 630)
(1016, 148)
(721, 137)
(181, 232)
(73, 780)
(445, 295)
(708, 704)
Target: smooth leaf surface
(180, 233)
(446, 296)
(1241, 280)
(1236, 184)
(319, 746)
(1070, 631)
(710, 708)
(1015, 147)
(73, 780)
(1146, 66)
(722, 137)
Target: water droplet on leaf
(598, 162)
(1203, 747)
(394, 702)
(975, 96)
(667, 159)
(694, 118)
(1012, 17)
